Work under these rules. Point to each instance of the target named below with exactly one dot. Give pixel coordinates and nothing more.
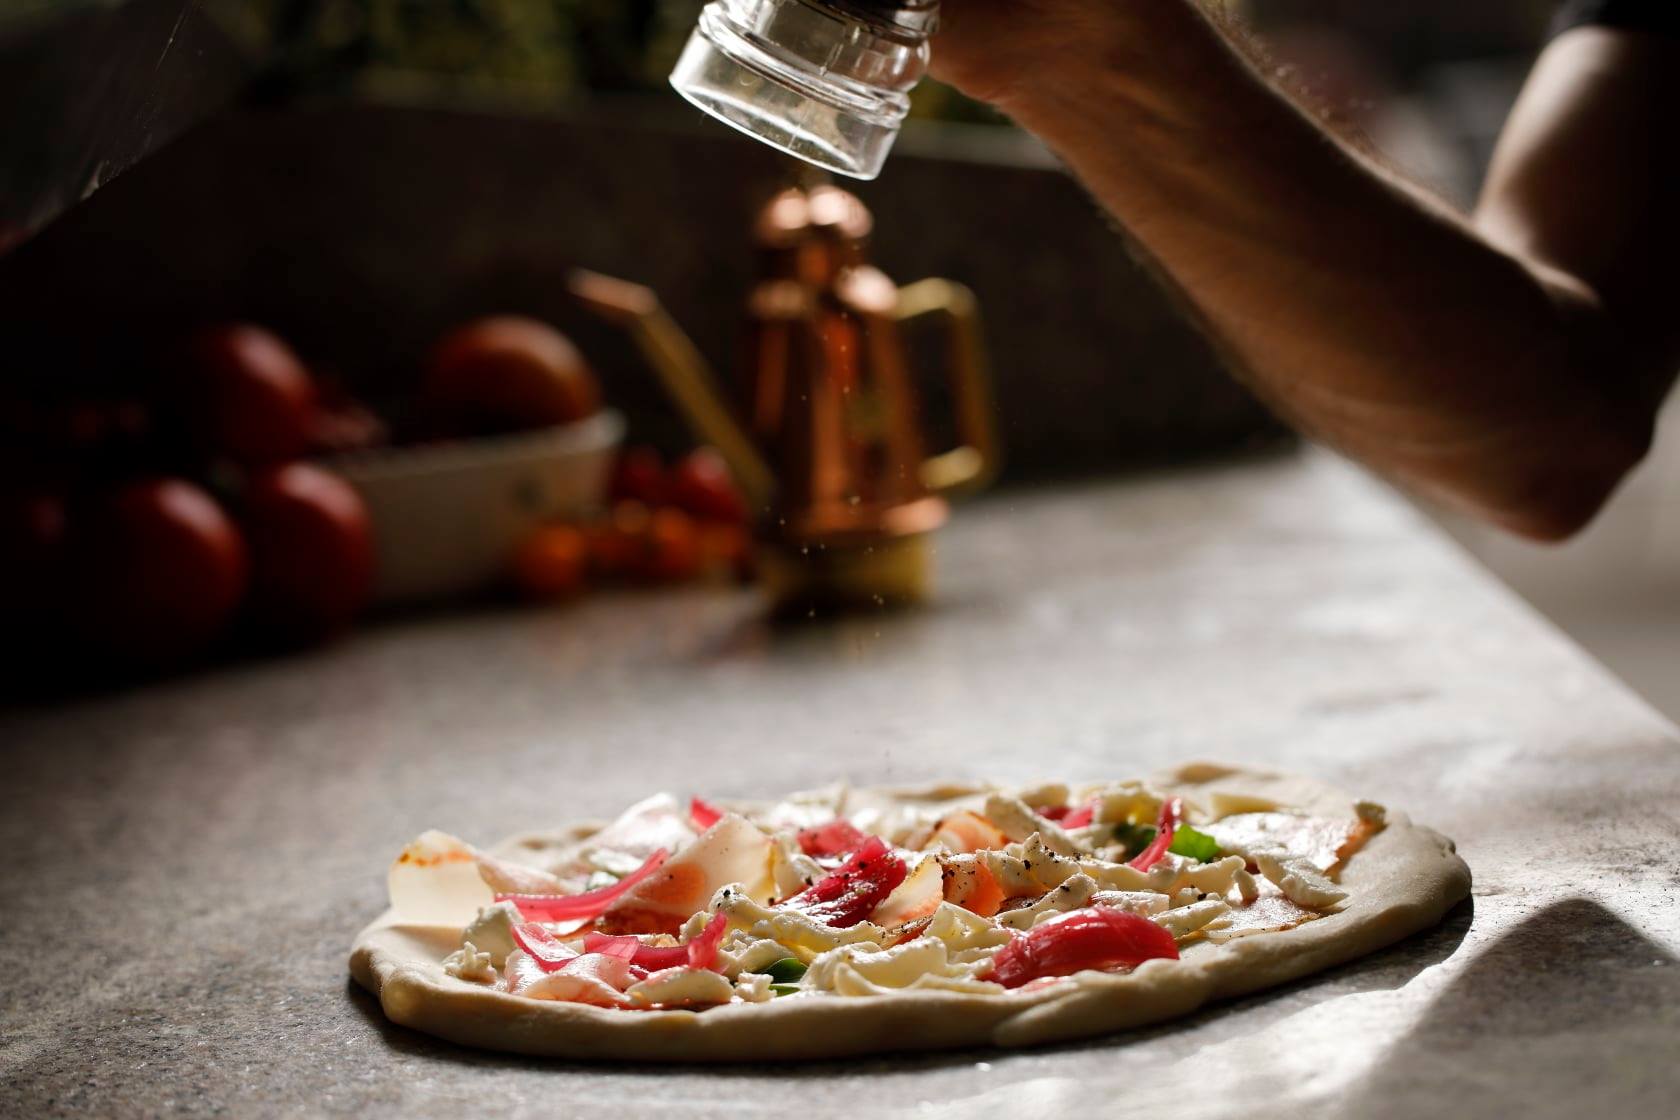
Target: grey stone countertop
(185, 865)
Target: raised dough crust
(1403, 880)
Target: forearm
(1369, 315)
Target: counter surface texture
(187, 863)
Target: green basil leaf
(1196, 845)
(788, 970)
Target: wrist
(1050, 61)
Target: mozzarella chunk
(1071, 895)
(681, 987)
(1016, 820)
(749, 954)
(1185, 920)
(467, 963)
(1145, 904)
(841, 970)
(962, 930)
(492, 931)
(1048, 794)
(754, 987)
(1299, 880)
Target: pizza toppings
(820, 897)
(851, 894)
(1093, 938)
(589, 904)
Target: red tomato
(638, 476)
(552, 563)
(702, 485)
(157, 571)
(244, 394)
(672, 547)
(312, 552)
(1096, 937)
(507, 374)
(617, 545)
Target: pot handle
(971, 466)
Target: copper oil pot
(830, 449)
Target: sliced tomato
(550, 953)
(851, 894)
(1079, 818)
(703, 813)
(1097, 937)
(835, 838)
(1172, 814)
(589, 904)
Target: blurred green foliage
(518, 52)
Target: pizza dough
(1404, 879)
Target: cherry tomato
(671, 552)
(312, 552)
(507, 374)
(552, 563)
(244, 394)
(638, 476)
(157, 571)
(701, 484)
(617, 545)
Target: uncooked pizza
(843, 921)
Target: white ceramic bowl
(447, 517)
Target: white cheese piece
(467, 963)
(1016, 820)
(965, 984)
(1112, 876)
(1299, 880)
(1142, 903)
(492, 931)
(754, 987)
(1318, 839)
(962, 930)
(1185, 920)
(1246, 887)
(880, 969)
(749, 955)
(1213, 878)
(681, 987)
(1071, 895)
(1045, 795)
